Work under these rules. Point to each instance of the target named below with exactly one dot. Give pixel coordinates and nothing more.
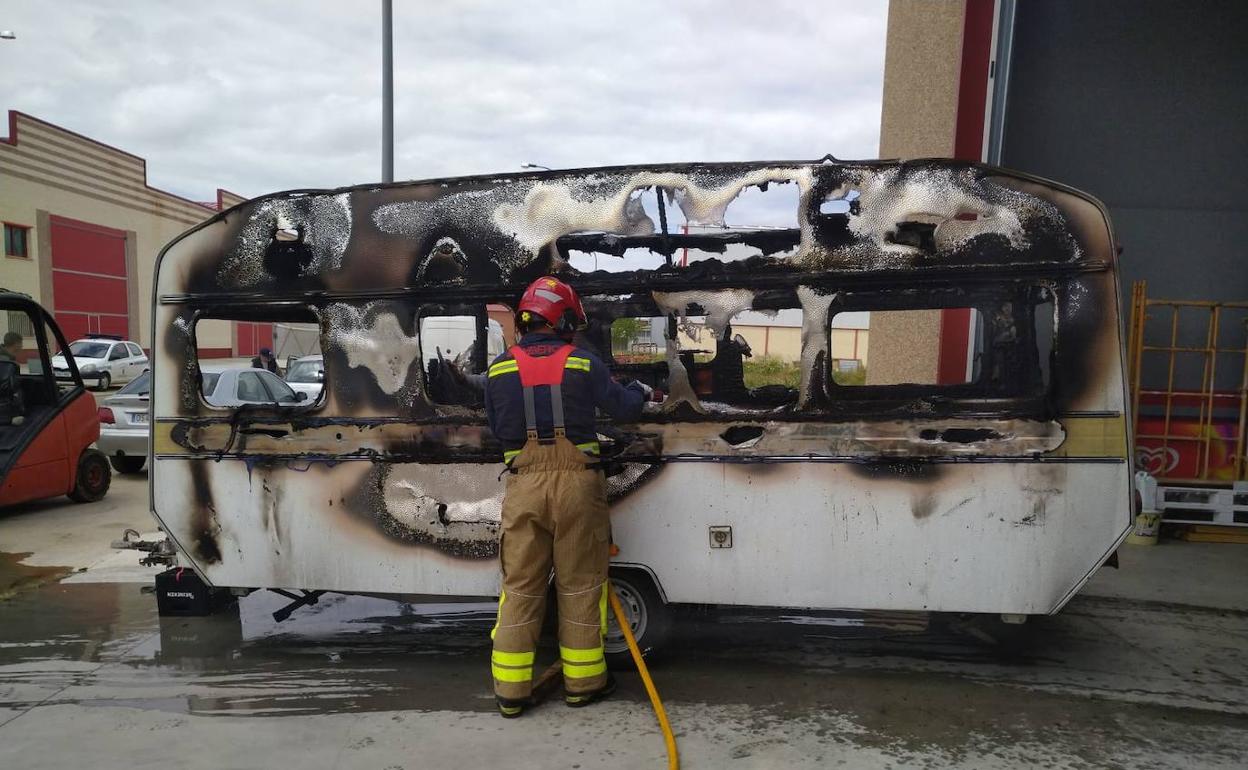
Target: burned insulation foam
(322, 223)
(375, 340)
(815, 309)
(891, 196)
(719, 305)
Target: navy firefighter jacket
(587, 385)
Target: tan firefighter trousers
(554, 515)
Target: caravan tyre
(649, 618)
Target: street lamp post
(387, 91)
(534, 165)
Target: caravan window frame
(248, 313)
(985, 300)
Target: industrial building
(1143, 106)
(82, 228)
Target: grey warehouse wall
(1145, 105)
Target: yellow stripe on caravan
(162, 440)
(1093, 436)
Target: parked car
(124, 428)
(240, 386)
(102, 359)
(307, 375)
(47, 422)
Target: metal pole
(387, 91)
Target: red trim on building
(221, 193)
(215, 353)
(968, 144)
(955, 340)
(968, 141)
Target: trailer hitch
(159, 552)
(296, 601)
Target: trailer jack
(296, 601)
(159, 552)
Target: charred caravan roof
(487, 231)
(967, 229)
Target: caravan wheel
(648, 616)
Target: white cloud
(262, 96)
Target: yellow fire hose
(673, 759)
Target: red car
(47, 425)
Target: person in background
(12, 347)
(265, 361)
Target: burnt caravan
(996, 485)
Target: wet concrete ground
(1137, 677)
(90, 677)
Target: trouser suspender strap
(530, 413)
(556, 409)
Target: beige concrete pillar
(922, 67)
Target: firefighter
(540, 400)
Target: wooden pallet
(1211, 534)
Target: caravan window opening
(980, 342)
(457, 344)
(227, 339)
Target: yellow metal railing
(1190, 336)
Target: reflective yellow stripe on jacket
(506, 367)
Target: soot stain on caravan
(370, 261)
(205, 528)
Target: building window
(20, 322)
(15, 240)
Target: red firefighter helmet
(554, 301)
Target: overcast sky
(263, 96)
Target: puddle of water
(16, 577)
(364, 653)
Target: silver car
(237, 387)
(307, 375)
(124, 426)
